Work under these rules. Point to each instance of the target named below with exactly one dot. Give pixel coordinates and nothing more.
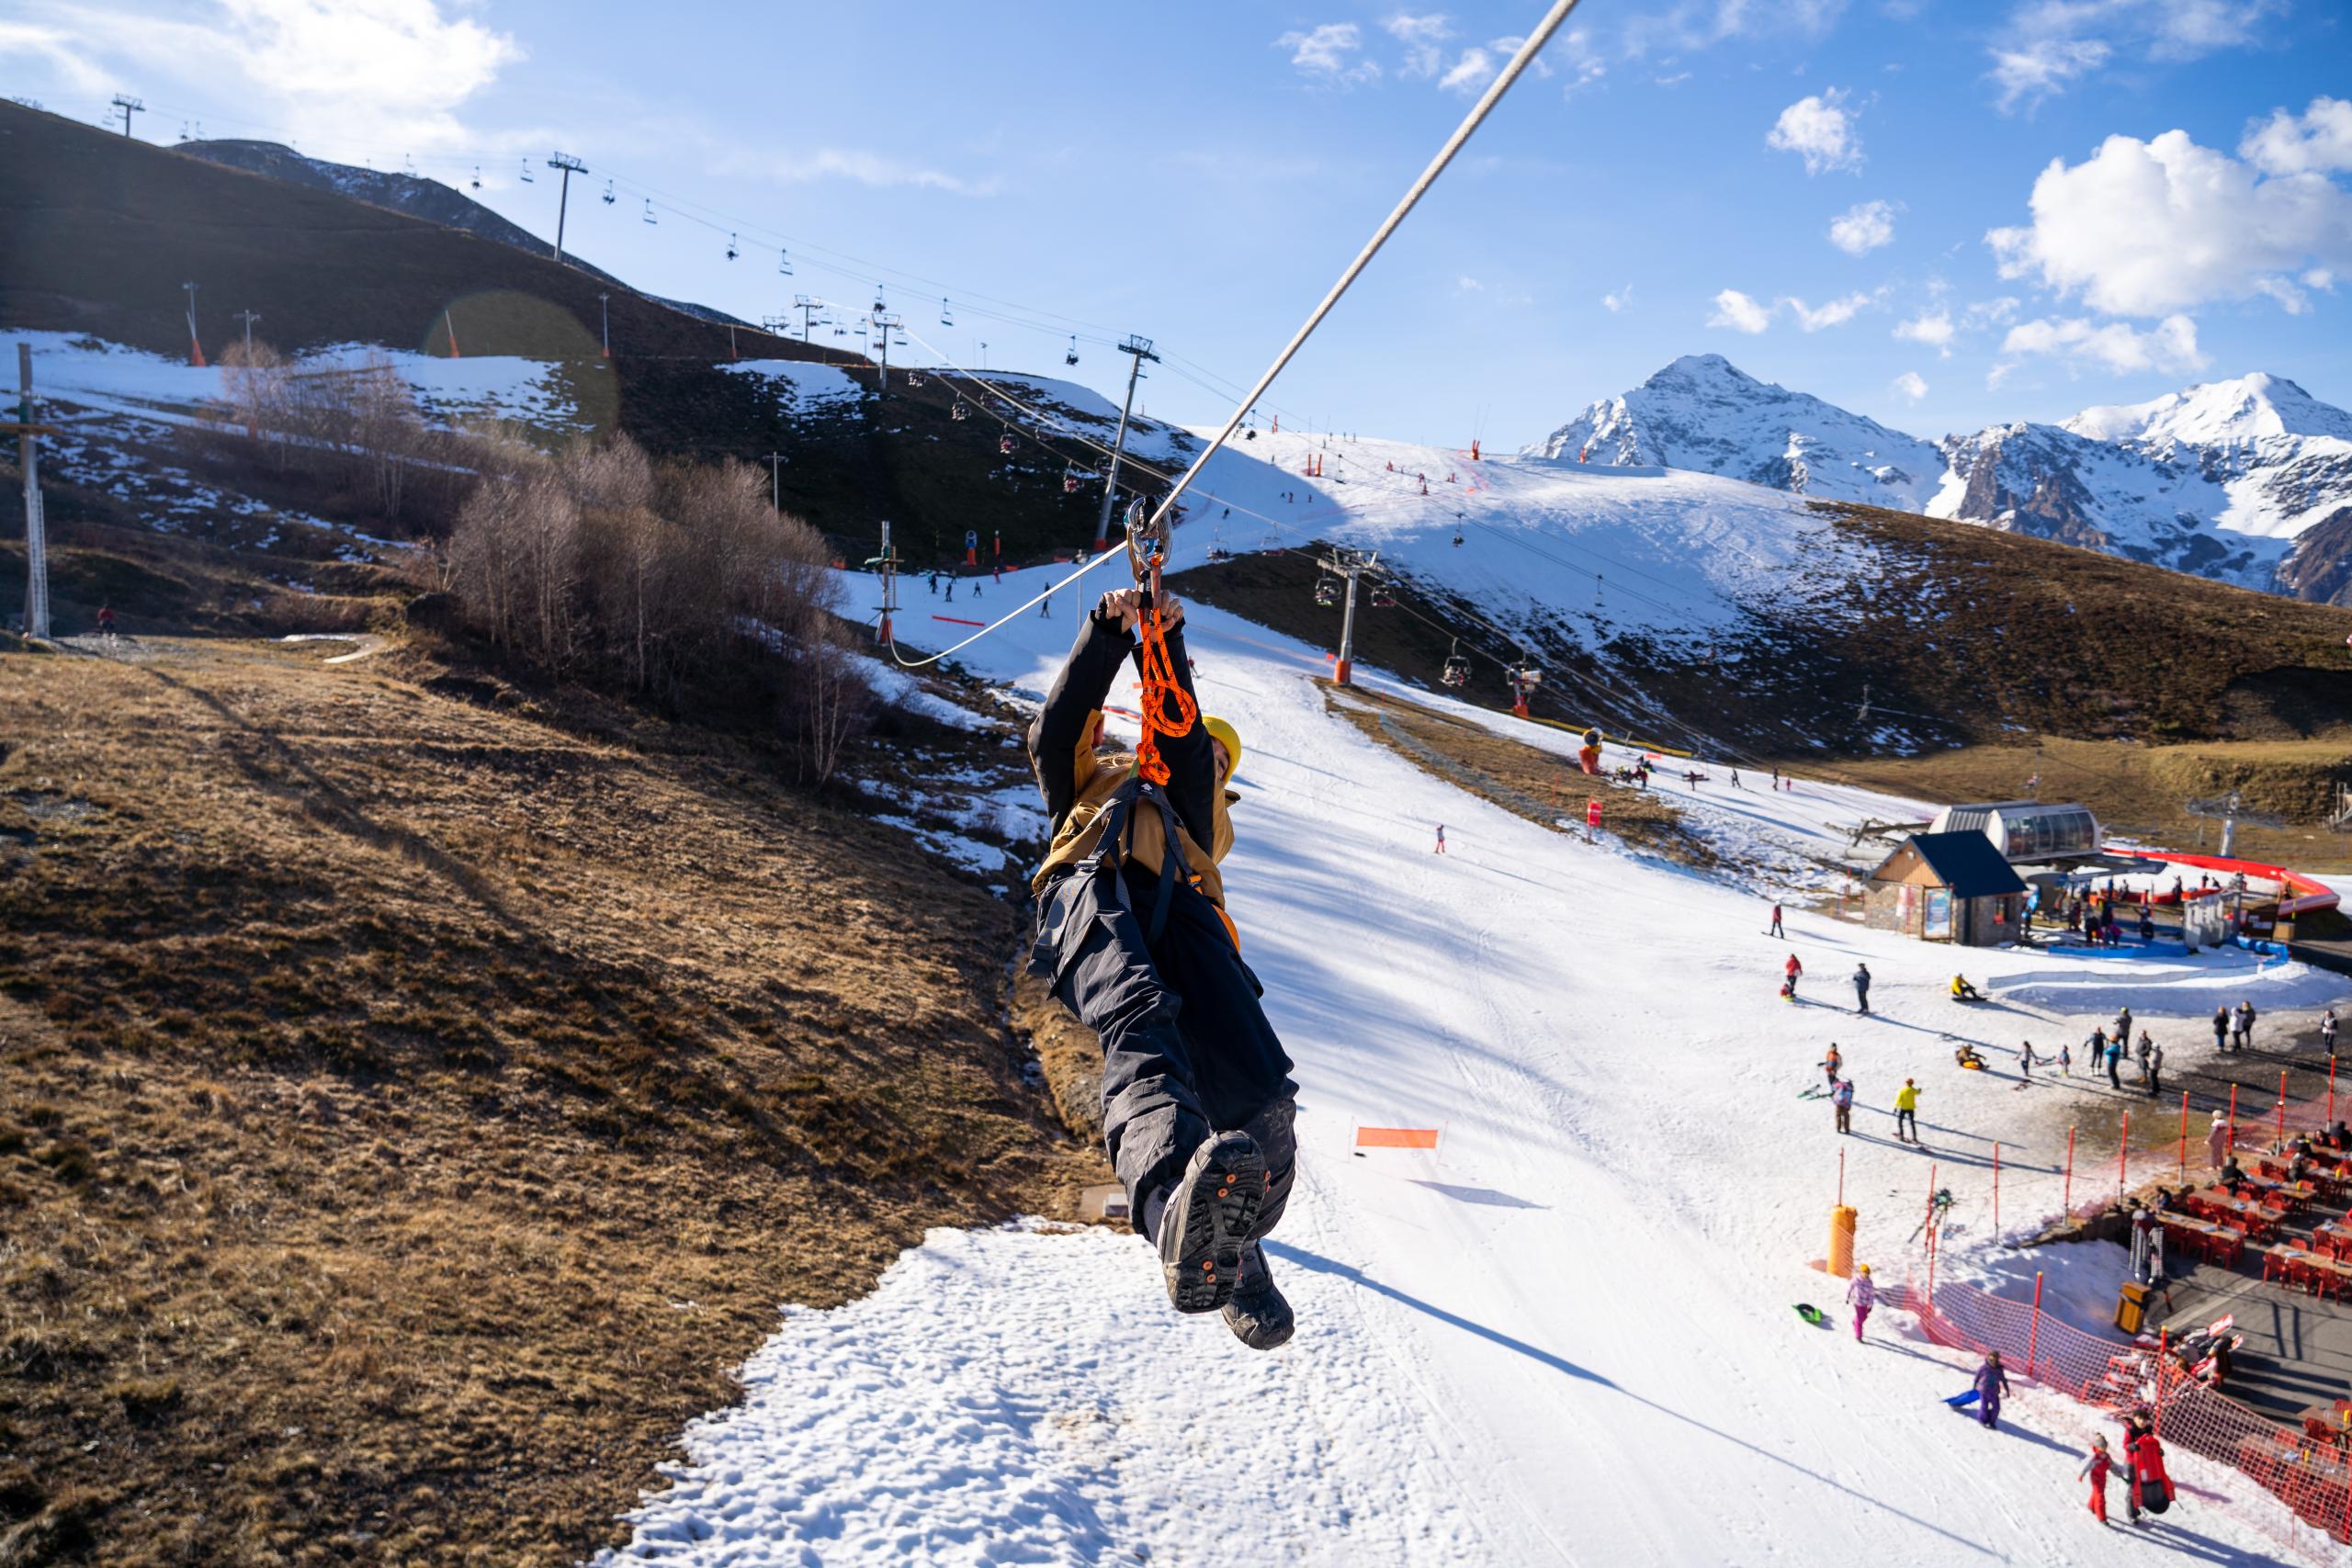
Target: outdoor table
(2334, 1237)
(2221, 1243)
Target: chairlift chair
(784, 263)
(609, 197)
(1382, 600)
(477, 176)
(730, 247)
(649, 211)
(946, 317)
(1327, 592)
(1069, 356)
(914, 377)
(1457, 668)
(959, 410)
(1007, 444)
(1070, 481)
(526, 173)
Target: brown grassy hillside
(415, 1097)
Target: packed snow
(1564, 1337)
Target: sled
(1963, 1401)
(1811, 1313)
(2152, 1496)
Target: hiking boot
(1257, 1313)
(1207, 1220)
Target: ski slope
(1567, 1336)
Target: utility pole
(36, 531)
(129, 106)
(249, 318)
(1350, 565)
(775, 481)
(571, 166)
(196, 343)
(605, 322)
(1138, 349)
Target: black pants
(1862, 998)
(1907, 1118)
(1186, 1049)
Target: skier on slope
(1776, 922)
(1133, 933)
(1832, 1062)
(1906, 1111)
(1862, 987)
(1795, 972)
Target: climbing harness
(1146, 554)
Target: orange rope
(1160, 689)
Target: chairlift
(1382, 599)
(649, 211)
(898, 341)
(1457, 668)
(408, 165)
(1070, 481)
(610, 197)
(477, 176)
(914, 377)
(959, 411)
(730, 247)
(1327, 592)
(1006, 445)
(1069, 356)
(879, 308)
(526, 173)
(1457, 530)
(945, 318)
(784, 263)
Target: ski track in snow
(1564, 1338)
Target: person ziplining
(1132, 935)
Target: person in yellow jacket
(1906, 1111)
(1132, 935)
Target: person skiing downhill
(1776, 921)
(1861, 1295)
(1132, 935)
(1992, 1385)
(1832, 1062)
(1906, 1111)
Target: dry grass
(413, 1107)
(1521, 779)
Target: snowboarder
(1861, 1295)
(1992, 1385)
(1441, 840)
(1794, 971)
(1734, 778)
(1841, 1101)
(2095, 1468)
(2150, 1482)
(2217, 1140)
(1045, 608)
(1776, 922)
(1962, 991)
(1133, 935)
(106, 622)
(1862, 987)
(1906, 1111)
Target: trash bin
(2131, 1307)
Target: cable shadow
(1487, 1196)
(1318, 1264)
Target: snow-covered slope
(1703, 412)
(1566, 1338)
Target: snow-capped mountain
(1703, 412)
(2247, 480)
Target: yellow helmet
(1223, 731)
(1864, 1266)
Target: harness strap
(1109, 851)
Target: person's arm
(1080, 690)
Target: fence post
(2122, 1153)
(2164, 1345)
(2068, 1201)
(1996, 1191)
(2282, 1108)
(2232, 1146)
(2184, 1137)
(1841, 1178)
(1932, 1228)
(2033, 1335)
(2330, 1122)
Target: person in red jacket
(2148, 1470)
(1795, 970)
(2095, 1468)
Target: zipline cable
(1518, 64)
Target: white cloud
(1471, 73)
(1820, 128)
(2035, 70)
(1329, 52)
(853, 163)
(1701, 23)
(2317, 141)
(1933, 328)
(1740, 314)
(389, 73)
(1465, 283)
(2045, 45)
(1912, 385)
(1992, 311)
(1836, 313)
(1420, 36)
(2144, 227)
(1863, 227)
(1619, 301)
(1481, 63)
(2170, 345)
(1674, 81)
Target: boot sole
(1213, 1212)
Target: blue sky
(1805, 187)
